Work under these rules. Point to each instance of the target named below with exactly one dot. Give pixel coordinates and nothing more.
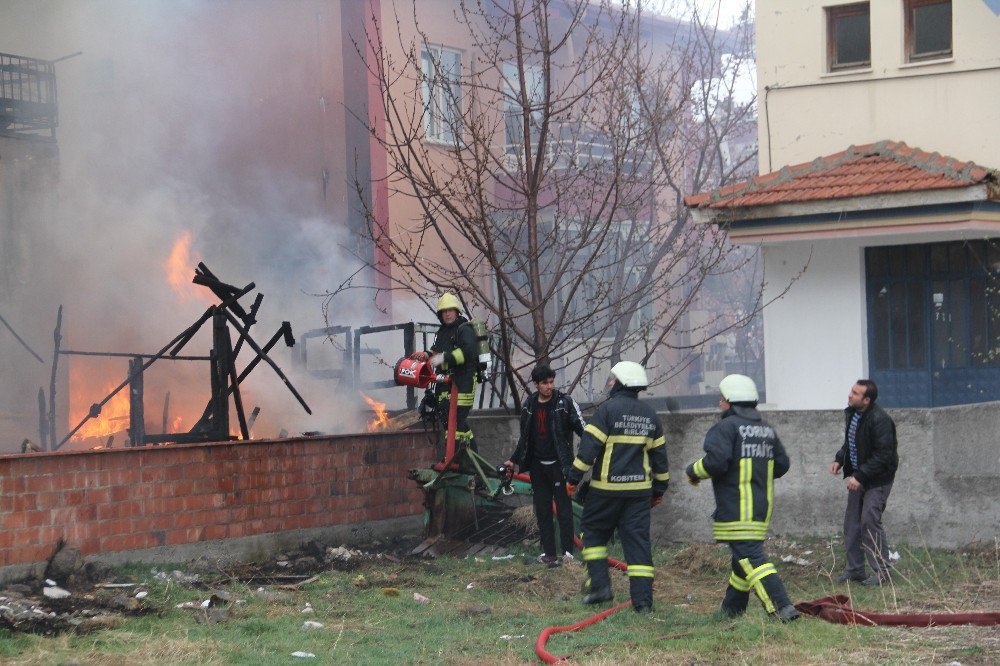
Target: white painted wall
(946, 106)
(815, 340)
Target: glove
(437, 360)
(655, 500)
(693, 481)
(570, 489)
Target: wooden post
(166, 412)
(57, 341)
(136, 413)
(43, 430)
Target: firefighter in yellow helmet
(623, 443)
(743, 457)
(454, 353)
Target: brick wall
(120, 500)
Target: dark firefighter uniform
(743, 456)
(457, 343)
(623, 445)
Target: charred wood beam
(74, 352)
(95, 409)
(262, 354)
(234, 388)
(185, 337)
(250, 321)
(137, 415)
(253, 418)
(187, 438)
(166, 411)
(43, 428)
(20, 339)
(56, 343)
(207, 278)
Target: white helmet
(738, 388)
(630, 374)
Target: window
(928, 29)
(534, 85)
(848, 36)
(442, 70)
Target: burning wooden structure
(214, 425)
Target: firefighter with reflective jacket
(743, 456)
(454, 353)
(623, 447)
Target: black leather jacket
(876, 441)
(566, 419)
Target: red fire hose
(543, 637)
(837, 609)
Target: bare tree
(548, 161)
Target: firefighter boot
(735, 602)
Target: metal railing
(28, 104)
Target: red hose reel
(416, 370)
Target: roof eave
(728, 216)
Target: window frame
(442, 96)
(909, 31)
(833, 15)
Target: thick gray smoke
(221, 122)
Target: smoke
(224, 121)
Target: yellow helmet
(449, 301)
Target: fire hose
(837, 609)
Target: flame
(178, 269)
(175, 426)
(114, 415)
(381, 420)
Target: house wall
(946, 493)
(231, 499)
(815, 340)
(943, 106)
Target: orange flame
(114, 416)
(381, 420)
(178, 269)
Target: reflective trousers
(602, 515)
(751, 570)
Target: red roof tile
(877, 168)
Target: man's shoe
(875, 580)
(551, 561)
(568, 557)
(787, 614)
(598, 596)
(643, 610)
(844, 577)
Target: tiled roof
(885, 167)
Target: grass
(485, 611)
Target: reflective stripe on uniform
(751, 530)
(753, 578)
(595, 553)
(458, 355)
(738, 582)
(596, 433)
(699, 469)
(746, 492)
(662, 477)
(640, 570)
(633, 485)
(659, 441)
(770, 490)
(580, 465)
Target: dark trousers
(864, 535)
(548, 485)
(630, 516)
(751, 570)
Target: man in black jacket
(743, 456)
(454, 353)
(545, 450)
(868, 460)
(624, 444)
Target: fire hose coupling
(506, 475)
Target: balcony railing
(28, 105)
